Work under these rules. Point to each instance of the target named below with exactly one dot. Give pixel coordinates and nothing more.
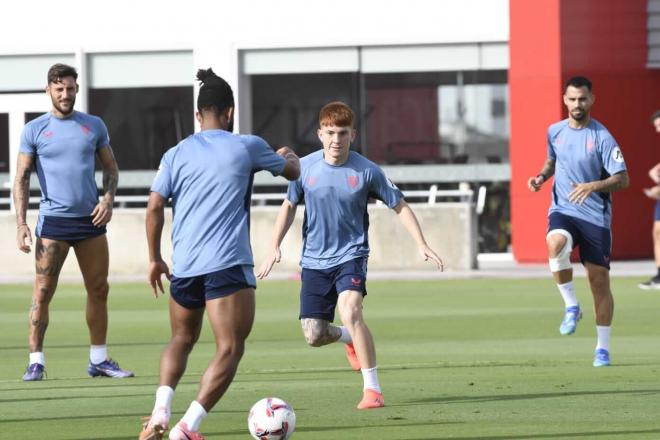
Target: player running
(588, 165)
(335, 185)
(208, 176)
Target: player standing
(208, 176)
(335, 185)
(63, 144)
(588, 165)
(654, 193)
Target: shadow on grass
(594, 434)
(507, 397)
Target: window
(143, 122)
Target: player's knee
(43, 293)
(314, 331)
(98, 291)
(560, 246)
(231, 349)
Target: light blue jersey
(583, 155)
(64, 151)
(335, 229)
(209, 177)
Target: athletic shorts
(595, 242)
(193, 292)
(656, 215)
(321, 287)
(70, 229)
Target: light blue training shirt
(64, 151)
(336, 223)
(583, 155)
(209, 177)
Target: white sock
(164, 396)
(370, 377)
(568, 293)
(345, 336)
(194, 416)
(98, 353)
(603, 337)
(37, 357)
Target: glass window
(285, 108)
(4, 143)
(448, 117)
(143, 122)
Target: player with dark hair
(63, 145)
(654, 193)
(588, 166)
(208, 176)
(335, 185)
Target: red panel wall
(604, 40)
(534, 87)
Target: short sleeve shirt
(209, 178)
(64, 151)
(336, 222)
(583, 155)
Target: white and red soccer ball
(271, 419)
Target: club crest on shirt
(311, 181)
(590, 145)
(85, 129)
(353, 181)
(617, 155)
(48, 134)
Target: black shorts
(70, 229)
(321, 287)
(193, 292)
(595, 242)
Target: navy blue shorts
(656, 215)
(70, 229)
(595, 242)
(193, 292)
(321, 287)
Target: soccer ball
(271, 419)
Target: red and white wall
(605, 40)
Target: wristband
(22, 224)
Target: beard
(67, 109)
(578, 115)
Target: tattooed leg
(49, 258)
(319, 332)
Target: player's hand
(428, 254)
(653, 192)
(580, 192)
(24, 238)
(156, 269)
(102, 213)
(535, 183)
(284, 151)
(267, 265)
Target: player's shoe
(108, 368)
(154, 427)
(651, 284)
(601, 358)
(571, 317)
(33, 372)
(371, 399)
(181, 432)
(352, 357)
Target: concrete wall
(449, 229)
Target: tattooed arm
(102, 213)
(21, 194)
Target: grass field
(464, 359)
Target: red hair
(336, 113)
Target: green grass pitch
(458, 359)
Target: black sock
(658, 274)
